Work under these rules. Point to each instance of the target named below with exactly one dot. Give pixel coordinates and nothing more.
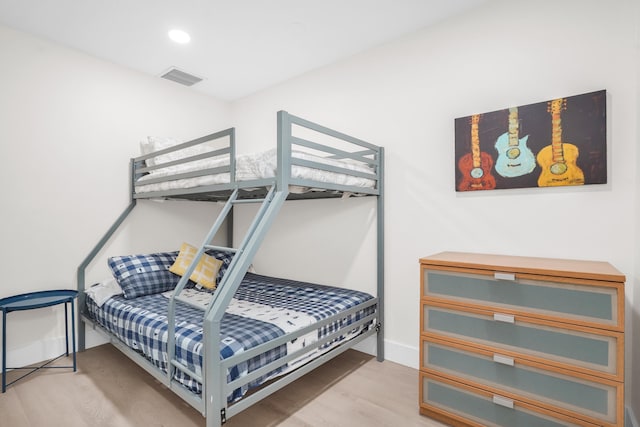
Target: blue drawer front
(467, 404)
(557, 342)
(563, 300)
(547, 386)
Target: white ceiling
(237, 46)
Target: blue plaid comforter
(141, 323)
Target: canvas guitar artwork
(561, 142)
(558, 160)
(514, 157)
(476, 166)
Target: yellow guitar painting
(558, 160)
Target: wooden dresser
(517, 341)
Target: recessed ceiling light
(179, 36)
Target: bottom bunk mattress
(264, 308)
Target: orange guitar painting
(476, 166)
(558, 160)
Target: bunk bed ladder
(173, 364)
(215, 398)
(230, 281)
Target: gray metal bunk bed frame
(271, 194)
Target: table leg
(66, 329)
(4, 351)
(73, 333)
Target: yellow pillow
(205, 272)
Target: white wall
(76, 118)
(405, 95)
(68, 125)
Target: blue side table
(30, 301)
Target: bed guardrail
(219, 145)
(367, 319)
(364, 160)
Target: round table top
(37, 299)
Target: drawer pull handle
(506, 318)
(504, 360)
(504, 276)
(503, 401)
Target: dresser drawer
(592, 351)
(592, 400)
(476, 407)
(593, 303)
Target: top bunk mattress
(257, 166)
(309, 161)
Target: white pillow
(146, 147)
(102, 291)
(157, 143)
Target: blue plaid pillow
(225, 257)
(145, 274)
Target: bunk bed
(174, 332)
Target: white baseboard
(393, 352)
(367, 345)
(37, 352)
(94, 338)
(402, 354)
(45, 349)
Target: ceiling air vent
(181, 77)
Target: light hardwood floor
(109, 390)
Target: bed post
(380, 234)
(232, 179)
(284, 151)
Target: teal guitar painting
(514, 157)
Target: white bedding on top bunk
(254, 166)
